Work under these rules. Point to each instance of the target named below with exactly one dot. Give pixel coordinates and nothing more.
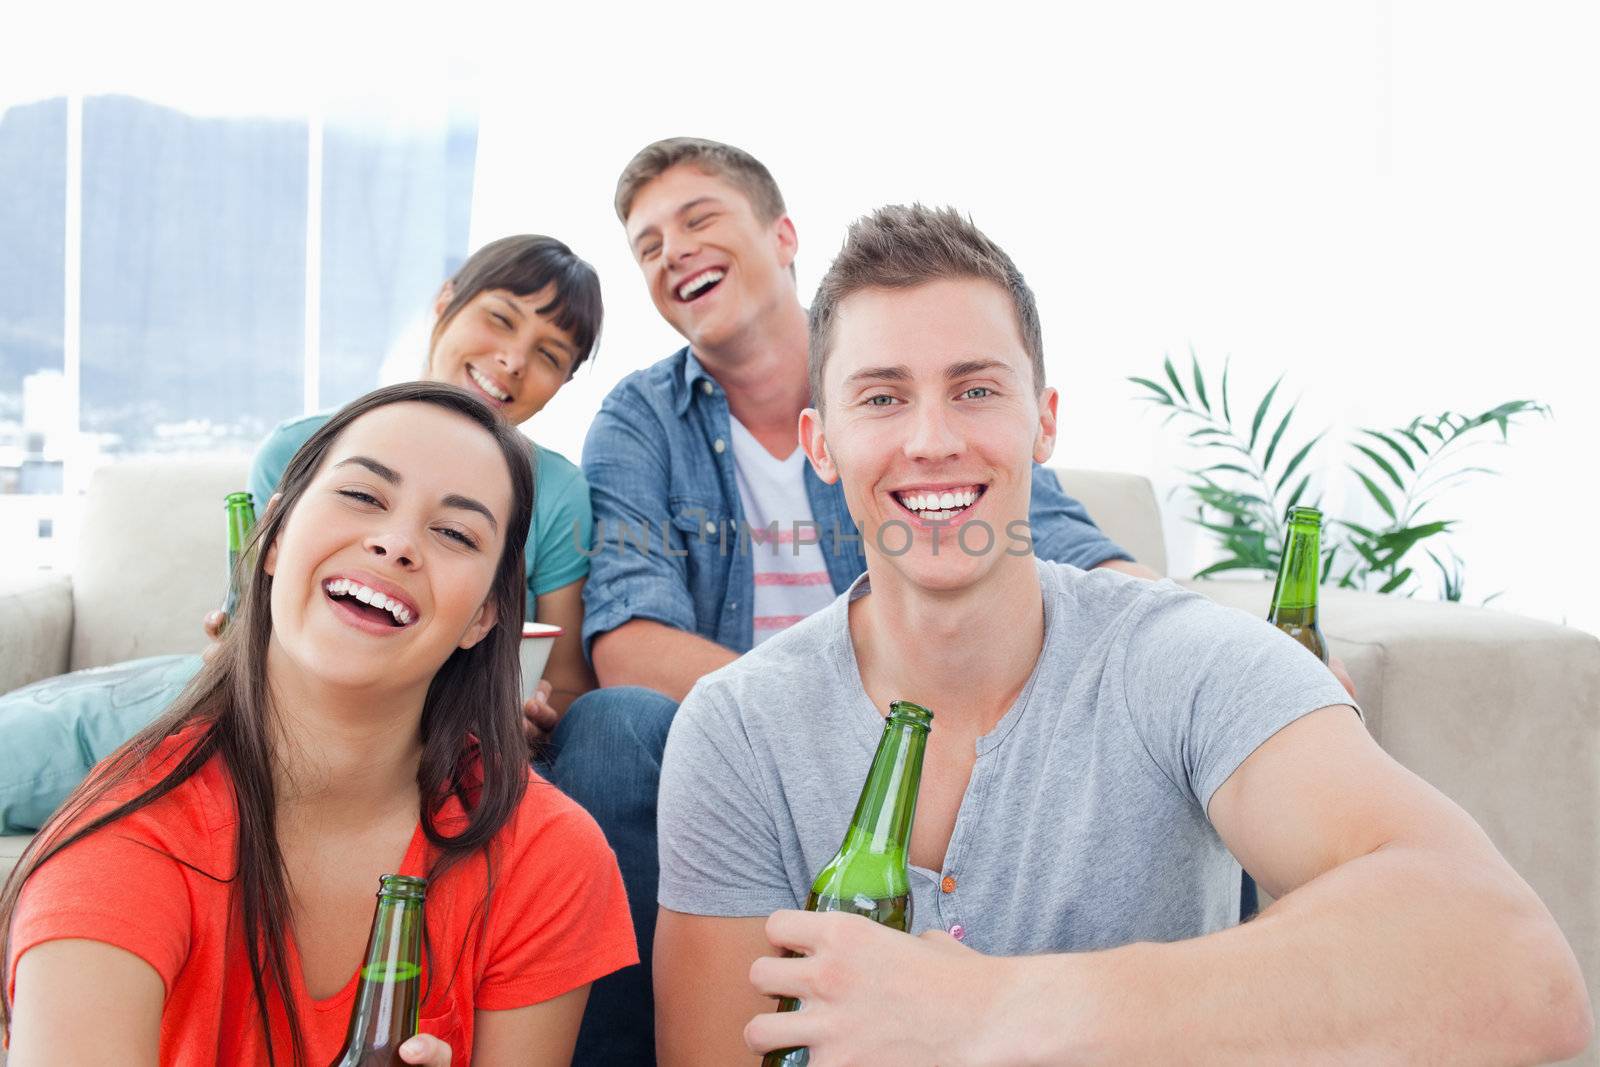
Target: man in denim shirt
(675, 576)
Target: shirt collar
(693, 375)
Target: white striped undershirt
(791, 575)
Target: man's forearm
(1399, 956)
(657, 656)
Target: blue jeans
(606, 755)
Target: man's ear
(788, 242)
(1045, 443)
(815, 443)
(480, 625)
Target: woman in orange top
(205, 896)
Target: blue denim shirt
(668, 518)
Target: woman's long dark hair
(472, 741)
(524, 264)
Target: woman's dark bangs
(575, 307)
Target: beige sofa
(1502, 713)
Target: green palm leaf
(1359, 531)
(1377, 494)
(1172, 376)
(1261, 411)
(1299, 490)
(1153, 387)
(1405, 457)
(1411, 435)
(1396, 582)
(1225, 467)
(1242, 533)
(1383, 465)
(1227, 416)
(1295, 462)
(1199, 381)
(1235, 564)
(1266, 464)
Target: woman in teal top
(519, 317)
(511, 327)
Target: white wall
(1394, 203)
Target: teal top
(563, 525)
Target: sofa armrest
(1500, 713)
(1124, 507)
(35, 627)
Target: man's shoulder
(803, 662)
(1151, 622)
(652, 386)
(1102, 592)
(1101, 602)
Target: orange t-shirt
(558, 920)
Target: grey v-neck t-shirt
(1084, 824)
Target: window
(201, 320)
(33, 168)
(194, 256)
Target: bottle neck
(387, 999)
(240, 519)
(888, 804)
(1299, 573)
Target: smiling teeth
(938, 505)
(487, 386)
(345, 587)
(697, 283)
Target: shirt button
(949, 884)
(707, 388)
(958, 932)
(711, 527)
(719, 446)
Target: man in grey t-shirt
(1102, 749)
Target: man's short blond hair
(897, 247)
(725, 161)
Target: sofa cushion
(152, 557)
(1124, 507)
(57, 729)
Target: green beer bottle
(1294, 601)
(868, 875)
(241, 517)
(385, 1011)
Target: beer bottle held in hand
(241, 517)
(1294, 601)
(389, 996)
(868, 876)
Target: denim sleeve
(625, 460)
(1062, 529)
